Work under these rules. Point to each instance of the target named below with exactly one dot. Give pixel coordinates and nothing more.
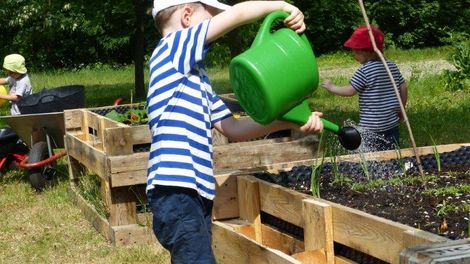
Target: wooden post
(318, 228)
(248, 198)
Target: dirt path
(408, 69)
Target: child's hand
(400, 116)
(295, 20)
(328, 84)
(314, 124)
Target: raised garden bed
(364, 236)
(439, 202)
(117, 154)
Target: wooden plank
(126, 170)
(126, 235)
(275, 239)
(234, 156)
(129, 178)
(381, 155)
(131, 162)
(122, 207)
(281, 202)
(271, 237)
(248, 202)
(226, 199)
(120, 140)
(97, 221)
(370, 234)
(93, 159)
(73, 120)
(311, 257)
(318, 229)
(231, 247)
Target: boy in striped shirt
(182, 110)
(379, 109)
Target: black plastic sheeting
(301, 175)
(53, 100)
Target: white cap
(159, 5)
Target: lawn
(47, 228)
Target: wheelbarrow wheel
(38, 179)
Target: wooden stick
(402, 108)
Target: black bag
(53, 100)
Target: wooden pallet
(240, 236)
(245, 239)
(101, 146)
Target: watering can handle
(264, 32)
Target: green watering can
(276, 76)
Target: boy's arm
(245, 128)
(3, 81)
(246, 12)
(343, 91)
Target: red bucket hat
(360, 39)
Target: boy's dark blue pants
(182, 223)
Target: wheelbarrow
(32, 138)
(40, 134)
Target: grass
(47, 228)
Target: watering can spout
(349, 137)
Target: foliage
(74, 34)
(414, 24)
(133, 116)
(459, 79)
(67, 33)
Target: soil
(438, 203)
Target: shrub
(459, 79)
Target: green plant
(445, 209)
(364, 165)
(459, 79)
(316, 171)
(437, 155)
(133, 116)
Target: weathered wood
(370, 234)
(248, 198)
(318, 229)
(235, 155)
(121, 140)
(232, 247)
(73, 120)
(122, 207)
(226, 199)
(90, 157)
(125, 235)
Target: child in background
(182, 110)
(379, 109)
(18, 80)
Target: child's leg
(182, 224)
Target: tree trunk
(139, 49)
(235, 43)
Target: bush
(459, 79)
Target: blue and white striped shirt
(182, 109)
(378, 103)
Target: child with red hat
(379, 109)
